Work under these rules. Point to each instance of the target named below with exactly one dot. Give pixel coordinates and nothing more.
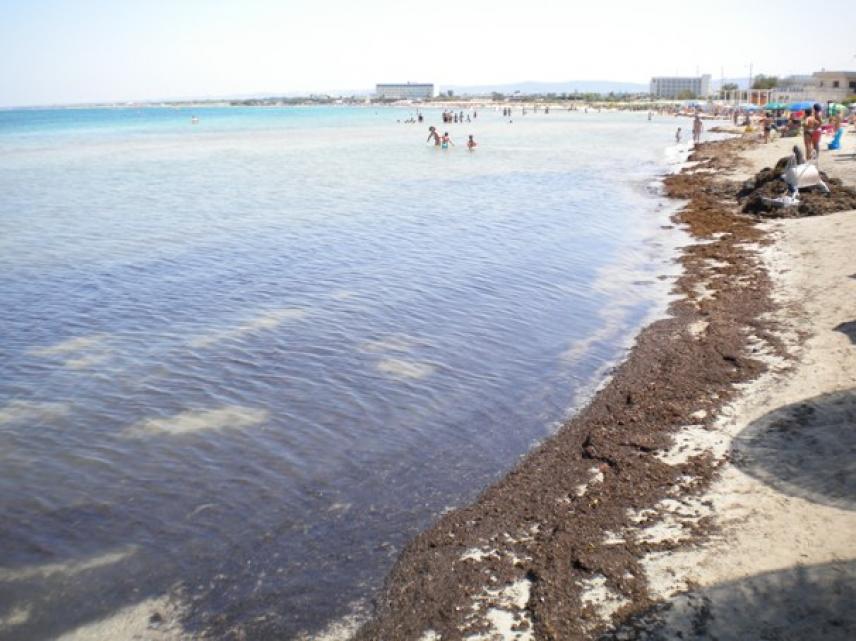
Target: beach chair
(803, 176)
(835, 143)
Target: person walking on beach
(432, 133)
(698, 127)
(678, 136)
(767, 124)
(811, 127)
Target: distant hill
(532, 87)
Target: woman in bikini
(811, 130)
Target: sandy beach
(707, 492)
(781, 563)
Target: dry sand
(783, 563)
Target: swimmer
(447, 141)
(471, 144)
(432, 133)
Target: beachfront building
(680, 86)
(406, 91)
(834, 86)
(821, 86)
(797, 88)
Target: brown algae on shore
(540, 527)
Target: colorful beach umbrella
(775, 106)
(805, 105)
(836, 108)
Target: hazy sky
(65, 51)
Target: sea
(246, 354)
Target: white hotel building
(406, 91)
(674, 86)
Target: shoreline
(563, 546)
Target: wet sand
(707, 491)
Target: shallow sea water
(242, 362)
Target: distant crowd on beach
(802, 120)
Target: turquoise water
(243, 361)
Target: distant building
(796, 88)
(821, 86)
(409, 90)
(677, 86)
(834, 86)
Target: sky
(78, 51)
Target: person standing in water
(698, 127)
(678, 136)
(447, 141)
(471, 144)
(432, 133)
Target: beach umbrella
(749, 107)
(805, 105)
(775, 106)
(836, 108)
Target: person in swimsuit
(471, 144)
(697, 129)
(678, 136)
(447, 141)
(432, 133)
(811, 128)
(767, 124)
(815, 139)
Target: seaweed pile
(769, 183)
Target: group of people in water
(452, 116)
(445, 140)
(698, 127)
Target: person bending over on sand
(471, 144)
(678, 136)
(697, 129)
(432, 133)
(447, 141)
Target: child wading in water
(471, 144)
(446, 140)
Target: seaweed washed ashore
(554, 550)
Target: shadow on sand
(807, 449)
(804, 603)
(848, 329)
